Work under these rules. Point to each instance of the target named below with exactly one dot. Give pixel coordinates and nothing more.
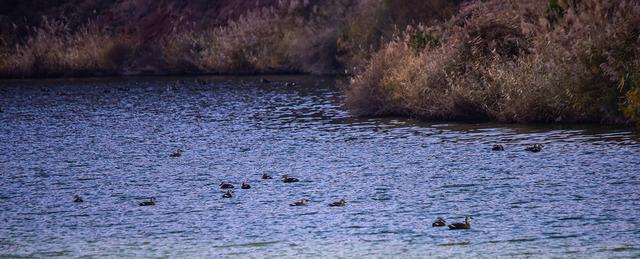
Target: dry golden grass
(293, 38)
(509, 61)
(371, 23)
(53, 50)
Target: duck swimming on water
(150, 202)
(535, 148)
(224, 185)
(497, 148)
(266, 177)
(302, 202)
(339, 203)
(178, 153)
(77, 198)
(245, 186)
(228, 194)
(439, 223)
(465, 225)
(287, 179)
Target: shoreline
(278, 79)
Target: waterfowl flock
(286, 84)
(532, 148)
(440, 222)
(285, 179)
(229, 193)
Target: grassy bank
(510, 61)
(286, 36)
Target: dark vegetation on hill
(41, 38)
(512, 61)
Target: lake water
(110, 140)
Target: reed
(510, 61)
(53, 49)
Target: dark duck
(245, 186)
(302, 202)
(77, 198)
(534, 148)
(497, 148)
(178, 153)
(465, 225)
(287, 179)
(439, 223)
(228, 194)
(266, 177)
(150, 202)
(339, 203)
(224, 185)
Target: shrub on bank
(369, 24)
(296, 37)
(54, 50)
(511, 61)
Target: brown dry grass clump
(514, 61)
(54, 50)
(369, 24)
(287, 36)
(295, 37)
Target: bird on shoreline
(150, 202)
(339, 203)
(497, 148)
(465, 225)
(77, 198)
(534, 148)
(287, 179)
(302, 202)
(439, 223)
(224, 185)
(266, 177)
(228, 194)
(245, 186)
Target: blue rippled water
(109, 140)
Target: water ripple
(109, 140)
